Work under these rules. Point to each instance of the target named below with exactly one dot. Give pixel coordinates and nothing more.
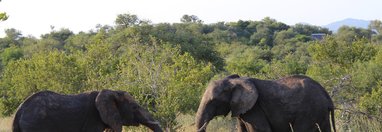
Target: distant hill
(349, 22)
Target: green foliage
(243, 59)
(265, 32)
(3, 16)
(284, 36)
(376, 28)
(292, 64)
(190, 18)
(13, 38)
(158, 75)
(350, 71)
(160, 78)
(371, 82)
(60, 35)
(342, 53)
(44, 71)
(126, 20)
(308, 30)
(350, 34)
(78, 42)
(11, 54)
(372, 102)
(333, 61)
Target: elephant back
(50, 108)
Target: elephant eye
(135, 107)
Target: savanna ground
(223, 124)
(6, 124)
(217, 125)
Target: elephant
(94, 111)
(295, 103)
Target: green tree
(13, 38)
(376, 27)
(11, 54)
(369, 78)
(3, 16)
(333, 60)
(371, 102)
(348, 72)
(190, 39)
(284, 37)
(306, 29)
(43, 71)
(265, 31)
(243, 59)
(160, 76)
(350, 34)
(190, 19)
(127, 20)
(62, 35)
(78, 42)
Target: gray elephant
(95, 111)
(296, 103)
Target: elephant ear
(244, 95)
(106, 103)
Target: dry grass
(227, 124)
(219, 124)
(359, 124)
(6, 124)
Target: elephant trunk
(203, 116)
(146, 119)
(154, 126)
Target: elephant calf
(95, 111)
(296, 103)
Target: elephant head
(118, 108)
(232, 93)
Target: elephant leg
(304, 128)
(255, 120)
(241, 126)
(324, 126)
(305, 125)
(312, 124)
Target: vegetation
(167, 66)
(3, 16)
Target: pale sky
(34, 17)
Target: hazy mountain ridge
(334, 26)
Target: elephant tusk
(203, 127)
(153, 122)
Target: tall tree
(13, 37)
(127, 20)
(190, 18)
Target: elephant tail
(332, 118)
